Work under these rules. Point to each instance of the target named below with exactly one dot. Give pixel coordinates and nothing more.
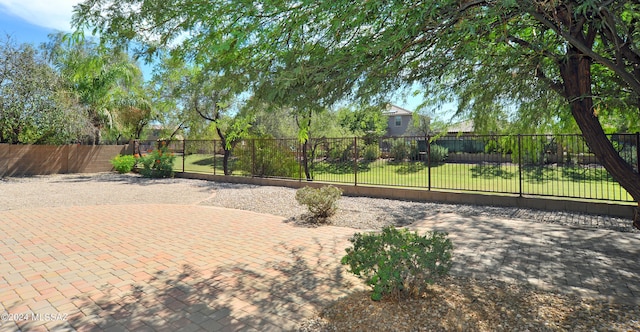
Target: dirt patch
(462, 304)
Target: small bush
(340, 150)
(268, 158)
(371, 152)
(399, 150)
(158, 163)
(438, 153)
(321, 202)
(398, 261)
(415, 153)
(123, 164)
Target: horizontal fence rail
(536, 165)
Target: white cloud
(53, 14)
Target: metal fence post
(638, 151)
(355, 161)
(253, 157)
(428, 143)
(299, 160)
(520, 164)
(214, 157)
(184, 152)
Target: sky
(31, 21)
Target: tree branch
(627, 77)
(528, 45)
(554, 85)
(622, 48)
(471, 4)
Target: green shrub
(415, 152)
(340, 150)
(371, 152)
(158, 163)
(399, 150)
(321, 202)
(123, 164)
(267, 159)
(398, 261)
(438, 153)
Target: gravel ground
(461, 304)
(354, 212)
(375, 213)
(98, 189)
(455, 304)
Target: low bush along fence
(543, 165)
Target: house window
(398, 121)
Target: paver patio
(163, 267)
(591, 263)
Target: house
(461, 128)
(399, 120)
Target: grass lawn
(200, 163)
(580, 182)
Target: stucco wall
(598, 208)
(19, 160)
(393, 130)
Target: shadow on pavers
(601, 264)
(273, 296)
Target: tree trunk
(97, 136)
(225, 161)
(576, 73)
(227, 152)
(305, 159)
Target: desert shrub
(321, 202)
(438, 153)
(397, 262)
(415, 151)
(371, 152)
(399, 150)
(340, 150)
(123, 164)
(158, 163)
(268, 159)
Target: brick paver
(590, 263)
(165, 268)
(195, 268)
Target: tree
(106, 83)
(33, 107)
(364, 120)
(132, 107)
(507, 53)
(420, 124)
(276, 123)
(197, 93)
(280, 123)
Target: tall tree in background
(34, 109)
(364, 120)
(106, 82)
(501, 54)
(198, 94)
(279, 123)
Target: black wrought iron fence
(541, 165)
